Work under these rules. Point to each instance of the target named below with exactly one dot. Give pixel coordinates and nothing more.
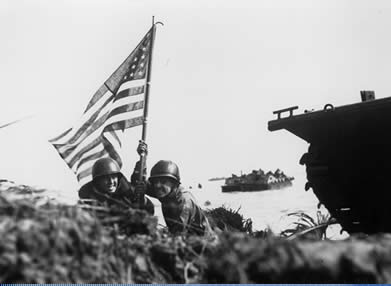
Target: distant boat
(216, 179)
(257, 180)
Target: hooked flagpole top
(153, 22)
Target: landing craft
(348, 161)
(257, 180)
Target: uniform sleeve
(148, 206)
(176, 216)
(88, 196)
(186, 215)
(197, 222)
(85, 192)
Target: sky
(220, 68)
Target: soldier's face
(162, 186)
(107, 183)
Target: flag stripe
(93, 112)
(126, 108)
(112, 152)
(129, 92)
(78, 167)
(61, 135)
(108, 152)
(67, 149)
(98, 148)
(101, 92)
(131, 84)
(96, 155)
(87, 172)
(80, 151)
(107, 118)
(115, 136)
(124, 124)
(75, 152)
(93, 124)
(88, 124)
(112, 140)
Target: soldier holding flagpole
(141, 180)
(110, 186)
(92, 147)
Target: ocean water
(266, 208)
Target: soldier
(180, 211)
(109, 185)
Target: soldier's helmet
(165, 168)
(105, 166)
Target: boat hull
(348, 161)
(246, 187)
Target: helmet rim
(164, 175)
(104, 167)
(109, 173)
(165, 168)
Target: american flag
(117, 105)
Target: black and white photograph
(195, 142)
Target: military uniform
(182, 214)
(124, 193)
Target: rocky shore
(43, 241)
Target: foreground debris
(242, 259)
(46, 242)
(43, 241)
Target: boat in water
(216, 179)
(257, 180)
(348, 162)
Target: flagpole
(148, 83)
(146, 100)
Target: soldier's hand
(142, 148)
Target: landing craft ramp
(348, 162)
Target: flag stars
(135, 59)
(133, 67)
(143, 56)
(142, 65)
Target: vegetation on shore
(47, 242)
